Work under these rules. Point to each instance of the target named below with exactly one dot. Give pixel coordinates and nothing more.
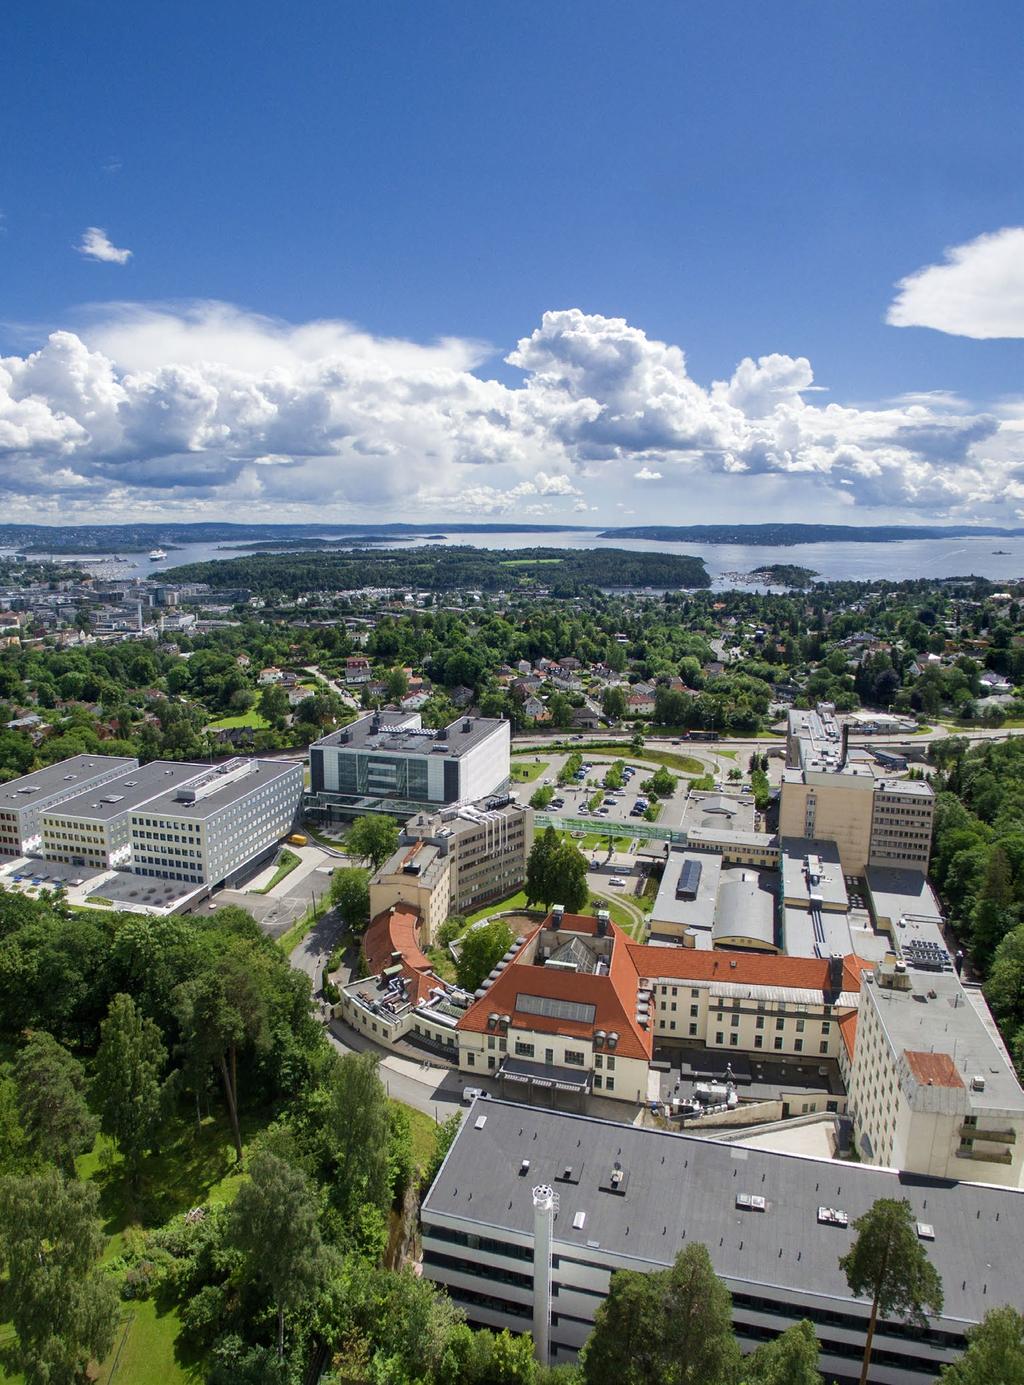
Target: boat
(156, 555)
(1000, 552)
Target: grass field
(526, 773)
(252, 718)
(514, 901)
(286, 863)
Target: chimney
(557, 914)
(835, 973)
(846, 745)
(602, 922)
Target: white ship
(156, 555)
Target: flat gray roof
(746, 905)
(698, 913)
(895, 892)
(264, 772)
(719, 812)
(408, 737)
(59, 778)
(679, 1189)
(131, 789)
(829, 885)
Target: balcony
(999, 1137)
(985, 1156)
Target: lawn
(514, 901)
(524, 774)
(424, 1134)
(252, 718)
(286, 863)
(192, 1166)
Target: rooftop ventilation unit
(925, 1231)
(977, 1083)
(578, 1221)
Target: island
(783, 575)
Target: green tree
(888, 1264)
(350, 893)
(789, 1359)
(482, 947)
(126, 1085)
(355, 1130)
(274, 704)
(397, 681)
(540, 798)
(1004, 989)
(614, 704)
(51, 1099)
(373, 838)
(62, 1308)
(671, 1324)
(995, 1352)
(561, 711)
(273, 1223)
(538, 867)
(567, 878)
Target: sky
(582, 262)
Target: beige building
(825, 796)
(418, 875)
(487, 844)
(931, 1088)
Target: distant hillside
(785, 535)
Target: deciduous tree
(62, 1309)
(481, 948)
(274, 1223)
(995, 1352)
(350, 893)
(373, 838)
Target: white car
(617, 883)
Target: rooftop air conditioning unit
(977, 1083)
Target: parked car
(470, 1094)
(617, 883)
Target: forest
(565, 572)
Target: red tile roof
(933, 1069)
(613, 995)
(848, 1030)
(395, 930)
(743, 968)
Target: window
(823, 1047)
(598, 1060)
(694, 1011)
(780, 1023)
(759, 1041)
(693, 1031)
(523, 1049)
(798, 1045)
(611, 1063)
(735, 1021)
(799, 1026)
(826, 1027)
(574, 1056)
(778, 1042)
(734, 1039)
(759, 1022)
(597, 1081)
(609, 1084)
(471, 1059)
(719, 1038)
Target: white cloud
(96, 245)
(978, 291)
(203, 408)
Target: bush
(203, 1315)
(141, 1279)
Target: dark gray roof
(59, 778)
(391, 739)
(121, 795)
(680, 1189)
(264, 772)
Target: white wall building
(23, 801)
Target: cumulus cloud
(96, 245)
(977, 292)
(204, 408)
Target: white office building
(205, 830)
(23, 801)
(389, 762)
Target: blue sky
(731, 180)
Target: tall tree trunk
(280, 1334)
(229, 1096)
(866, 1363)
(199, 1114)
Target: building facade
(488, 845)
(389, 762)
(23, 801)
(775, 1225)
